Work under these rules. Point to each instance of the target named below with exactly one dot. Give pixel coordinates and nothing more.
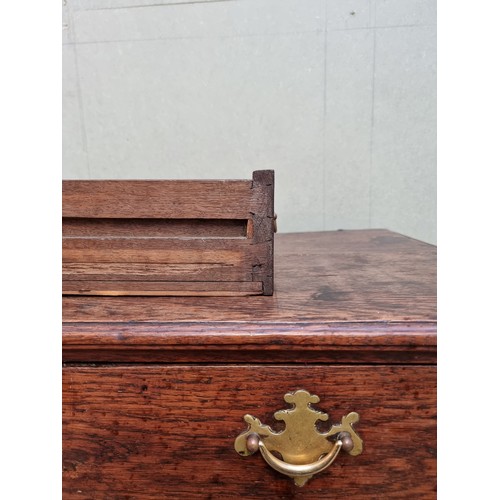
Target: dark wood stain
(155, 388)
(182, 441)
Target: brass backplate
(300, 443)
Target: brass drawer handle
(304, 451)
(292, 470)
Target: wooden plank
(150, 431)
(162, 288)
(172, 199)
(236, 252)
(156, 272)
(154, 255)
(161, 250)
(73, 227)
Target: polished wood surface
(167, 431)
(155, 388)
(344, 296)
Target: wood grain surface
(167, 231)
(162, 250)
(158, 199)
(167, 431)
(162, 288)
(344, 296)
(143, 272)
(74, 227)
(155, 388)
(251, 342)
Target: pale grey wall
(337, 96)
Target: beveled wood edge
(371, 342)
(165, 333)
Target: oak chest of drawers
(155, 388)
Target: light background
(337, 96)
(468, 263)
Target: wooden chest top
(344, 296)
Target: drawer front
(155, 432)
